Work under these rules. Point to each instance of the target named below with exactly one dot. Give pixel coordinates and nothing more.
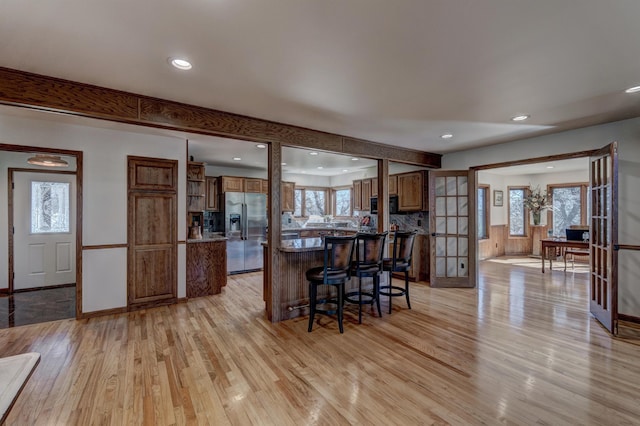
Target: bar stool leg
(340, 290)
(376, 293)
(359, 300)
(406, 287)
(313, 289)
(390, 290)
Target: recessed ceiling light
(354, 159)
(549, 167)
(283, 164)
(320, 167)
(313, 153)
(345, 170)
(634, 89)
(521, 117)
(181, 64)
(302, 171)
(261, 146)
(237, 159)
(446, 136)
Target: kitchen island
(296, 257)
(206, 265)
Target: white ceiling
(397, 72)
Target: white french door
(603, 294)
(452, 223)
(44, 237)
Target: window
(569, 206)
(309, 202)
(483, 211)
(517, 212)
(49, 207)
(342, 206)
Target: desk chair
(573, 253)
(368, 264)
(335, 272)
(399, 262)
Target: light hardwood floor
(520, 349)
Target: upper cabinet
(413, 192)
(265, 186)
(213, 194)
(374, 187)
(366, 194)
(253, 185)
(232, 184)
(393, 185)
(195, 187)
(288, 196)
(357, 195)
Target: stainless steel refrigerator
(245, 219)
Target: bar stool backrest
(338, 252)
(370, 250)
(403, 248)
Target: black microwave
(393, 204)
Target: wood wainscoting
(493, 246)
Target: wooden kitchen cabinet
(265, 186)
(357, 195)
(374, 187)
(366, 194)
(212, 199)
(206, 267)
(413, 194)
(195, 187)
(288, 196)
(253, 185)
(232, 184)
(393, 185)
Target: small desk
(551, 243)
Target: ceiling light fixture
(354, 159)
(237, 159)
(181, 64)
(446, 136)
(47, 160)
(549, 167)
(283, 164)
(313, 153)
(320, 167)
(261, 146)
(345, 170)
(521, 117)
(634, 89)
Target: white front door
(44, 239)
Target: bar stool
(400, 262)
(368, 264)
(335, 271)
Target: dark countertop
(302, 244)
(210, 239)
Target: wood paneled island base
(297, 256)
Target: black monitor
(575, 234)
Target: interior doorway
(41, 210)
(602, 222)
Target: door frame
(78, 173)
(578, 154)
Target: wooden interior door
(603, 301)
(453, 228)
(152, 232)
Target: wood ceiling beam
(27, 90)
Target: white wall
(499, 215)
(627, 133)
(104, 195)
